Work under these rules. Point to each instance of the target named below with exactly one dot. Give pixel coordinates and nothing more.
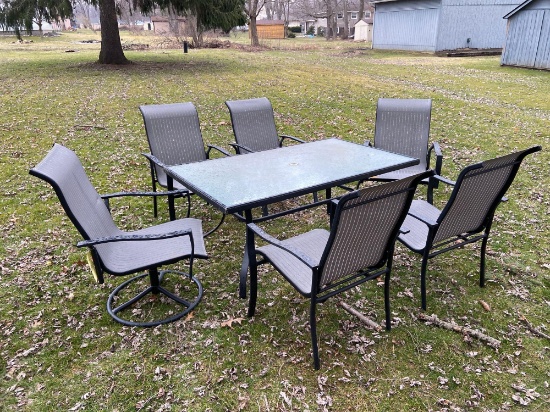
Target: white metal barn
(437, 25)
(528, 36)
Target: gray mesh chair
(174, 135)
(359, 247)
(468, 215)
(254, 126)
(403, 126)
(122, 253)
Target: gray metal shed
(528, 36)
(437, 25)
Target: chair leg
(253, 267)
(155, 206)
(253, 290)
(482, 261)
(387, 300)
(313, 328)
(430, 190)
(188, 205)
(423, 278)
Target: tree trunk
(345, 34)
(329, 19)
(253, 32)
(111, 47)
(361, 13)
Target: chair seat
(163, 181)
(294, 270)
(417, 233)
(403, 173)
(121, 258)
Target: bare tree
(361, 9)
(345, 33)
(321, 9)
(252, 10)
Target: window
(367, 14)
(353, 15)
(340, 15)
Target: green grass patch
(61, 350)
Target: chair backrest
(477, 193)
(365, 226)
(174, 134)
(253, 124)
(403, 126)
(62, 169)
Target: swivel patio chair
(359, 247)
(174, 136)
(468, 215)
(122, 253)
(254, 126)
(403, 126)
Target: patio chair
(254, 129)
(403, 126)
(359, 247)
(122, 253)
(254, 126)
(468, 215)
(174, 136)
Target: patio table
(237, 184)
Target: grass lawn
(60, 350)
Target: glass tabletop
(246, 181)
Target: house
(304, 17)
(270, 29)
(352, 16)
(528, 35)
(440, 25)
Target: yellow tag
(93, 269)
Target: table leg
(248, 247)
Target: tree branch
(495, 343)
(370, 323)
(534, 330)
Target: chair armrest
(444, 180)
(438, 157)
(178, 192)
(276, 242)
(237, 147)
(137, 194)
(285, 136)
(223, 151)
(153, 160)
(128, 238)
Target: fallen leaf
(229, 322)
(485, 305)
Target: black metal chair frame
(433, 147)
(320, 293)
(239, 147)
(156, 164)
(480, 233)
(98, 268)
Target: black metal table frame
(243, 211)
